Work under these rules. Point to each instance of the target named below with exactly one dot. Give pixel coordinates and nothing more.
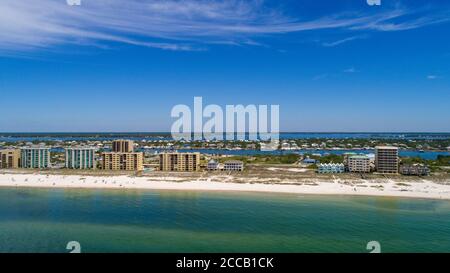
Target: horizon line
(281, 132)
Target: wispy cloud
(334, 74)
(432, 77)
(320, 77)
(393, 24)
(342, 41)
(173, 24)
(350, 70)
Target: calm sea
(45, 220)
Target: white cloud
(350, 70)
(432, 77)
(171, 24)
(339, 42)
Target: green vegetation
(413, 160)
(443, 160)
(265, 159)
(332, 158)
(434, 165)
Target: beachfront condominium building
(181, 162)
(10, 159)
(35, 157)
(414, 169)
(330, 168)
(115, 161)
(80, 158)
(233, 165)
(123, 146)
(386, 159)
(358, 164)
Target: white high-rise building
(35, 157)
(80, 158)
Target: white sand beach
(420, 188)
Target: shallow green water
(44, 220)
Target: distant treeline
(92, 134)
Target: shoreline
(422, 189)
(234, 192)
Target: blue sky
(330, 65)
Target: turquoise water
(44, 220)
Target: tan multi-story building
(346, 156)
(123, 146)
(122, 161)
(181, 162)
(386, 159)
(10, 159)
(358, 164)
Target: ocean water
(45, 220)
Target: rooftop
(331, 164)
(38, 147)
(234, 162)
(180, 153)
(123, 153)
(359, 156)
(81, 148)
(386, 147)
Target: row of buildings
(75, 158)
(386, 162)
(121, 157)
(331, 168)
(36, 157)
